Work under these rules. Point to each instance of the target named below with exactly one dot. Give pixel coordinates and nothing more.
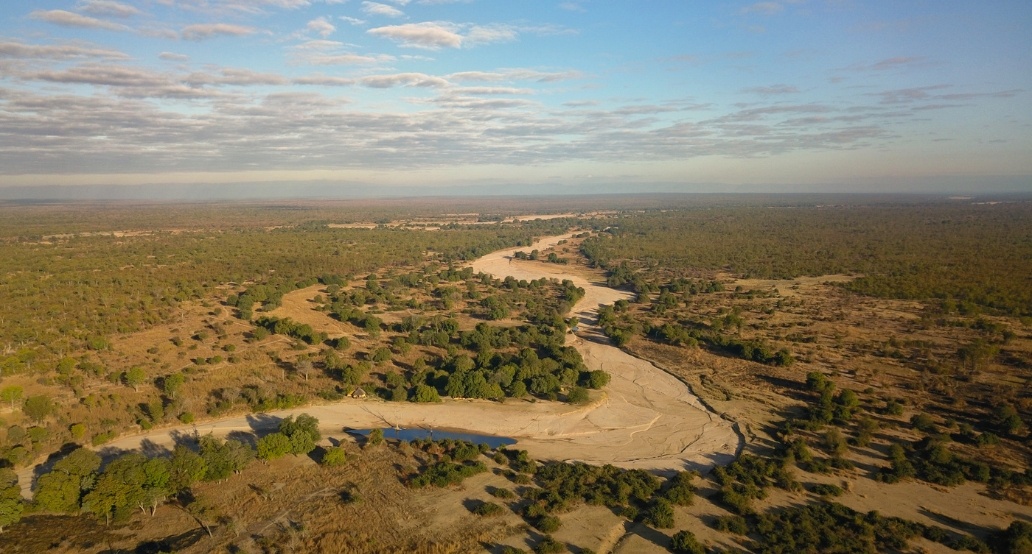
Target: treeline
(974, 254)
(77, 483)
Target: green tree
(172, 383)
(130, 481)
(335, 456)
(38, 407)
(272, 446)
(61, 490)
(425, 393)
(684, 542)
(218, 463)
(135, 377)
(12, 395)
(11, 503)
(661, 514)
(186, 467)
(303, 433)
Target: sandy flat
(644, 419)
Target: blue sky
(791, 95)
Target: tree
(273, 446)
(218, 464)
(684, 542)
(239, 454)
(135, 377)
(128, 482)
(335, 456)
(11, 503)
(425, 393)
(661, 514)
(172, 383)
(12, 395)
(302, 432)
(186, 467)
(38, 407)
(61, 489)
(303, 366)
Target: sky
(487, 95)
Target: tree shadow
(152, 449)
(263, 424)
(184, 438)
(172, 543)
(250, 439)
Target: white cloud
(324, 80)
(488, 34)
(352, 20)
(420, 35)
(173, 57)
(69, 19)
(321, 26)
(203, 31)
(319, 45)
(375, 8)
(404, 80)
(346, 59)
(109, 8)
(59, 52)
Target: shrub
(334, 457)
(686, 543)
(488, 509)
(548, 524)
(549, 545)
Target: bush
(686, 543)
(488, 509)
(549, 545)
(548, 524)
(334, 457)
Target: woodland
(864, 347)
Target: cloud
(403, 80)
(324, 81)
(69, 19)
(888, 64)
(321, 26)
(345, 59)
(489, 33)
(201, 31)
(572, 7)
(56, 52)
(503, 75)
(234, 76)
(766, 8)
(352, 20)
(430, 36)
(772, 90)
(173, 57)
(105, 75)
(375, 8)
(108, 8)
